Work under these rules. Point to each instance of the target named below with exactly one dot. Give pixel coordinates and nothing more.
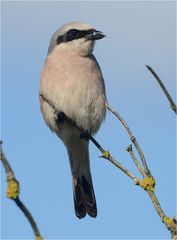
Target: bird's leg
(60, 117)
(85, 135)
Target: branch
(13, 193)
(148, 183)
(172, 104)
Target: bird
(73, 98)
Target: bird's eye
(74, 32)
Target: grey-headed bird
(72, 82)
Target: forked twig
(169, 222)
(148, 183)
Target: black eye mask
(74, 34)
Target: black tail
(84, 197)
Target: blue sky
(138, 33)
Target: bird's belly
(77, 91)
(86, 105)
(91, 113)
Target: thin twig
(172, 104)
(28, 215)
(11, 177)
(130, 150)
(108, 156)
(8, 169)
(133, 139)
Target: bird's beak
(95, 35)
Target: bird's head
(76, 37)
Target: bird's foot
(59, 117)
(85, 135)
